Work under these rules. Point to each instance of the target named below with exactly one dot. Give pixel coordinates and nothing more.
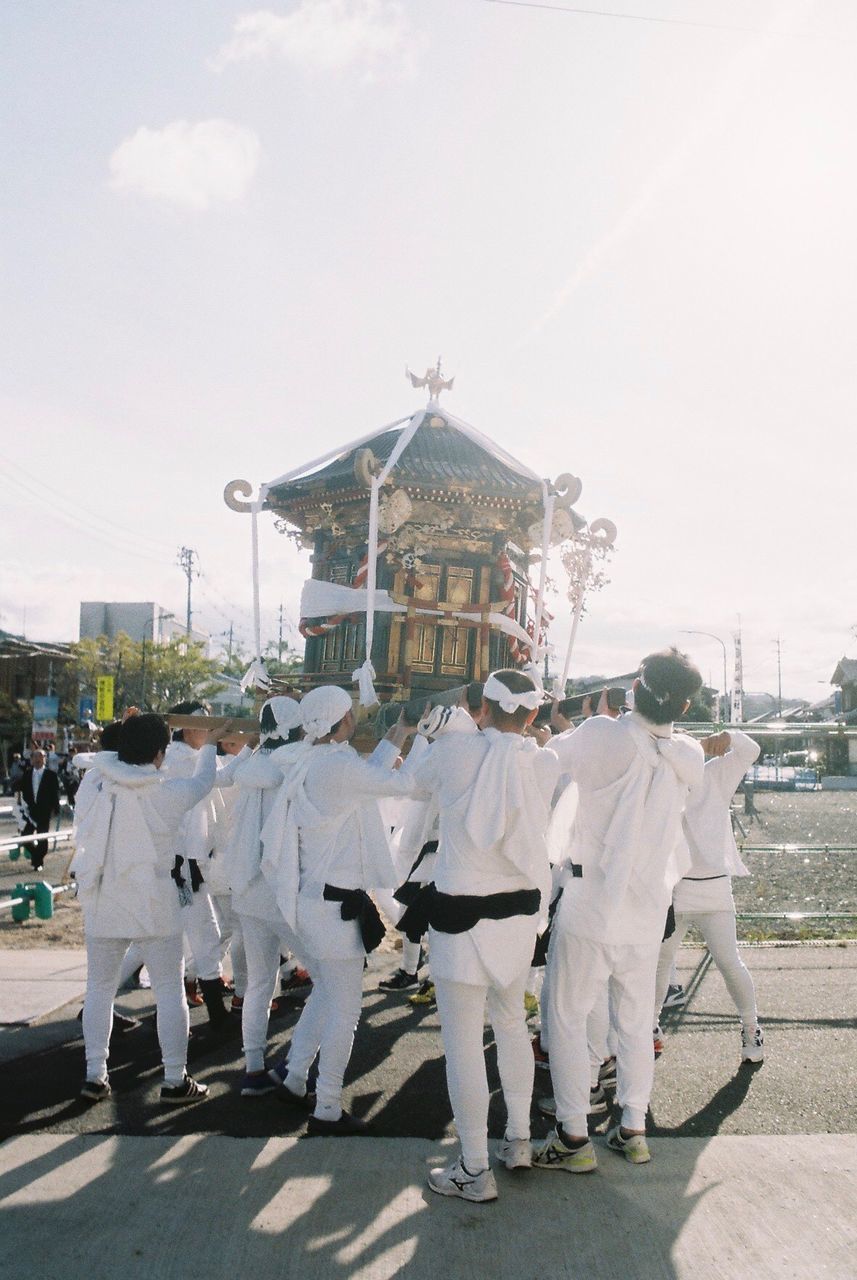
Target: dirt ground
(781, 880)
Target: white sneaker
(752, 1045)
(515, 1153)
(456, 1181)
(634, 1148)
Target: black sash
(357, 905)
(540, 951)
(458, 912)
(407, 892)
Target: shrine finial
(433, 379)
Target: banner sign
(45, 713)
(104, 697)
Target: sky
(225, 230)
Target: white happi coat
(259, 784)
(197, 835)
(127, 843)
(633, 779)
(491, 840)
(714, 857)
(334, 835)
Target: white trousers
(163, 958)
(581, 972)
(326, 1027)
(203, 937)
(264, 943)
(718, 931)
(231, 939)
(394, 910)
(600, 1029)
(461, 1007)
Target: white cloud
(324, 34)
(185, 164)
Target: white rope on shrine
(364, 676)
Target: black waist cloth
(408, 891)
(540, 950)
(458, 912)
(357, 905)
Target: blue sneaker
(256, 1084)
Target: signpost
(104, 697)
(45, 713)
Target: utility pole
(779, 679)
(185, 563)
(280, 640)
(229, 645)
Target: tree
(178, 671)
(153, 677)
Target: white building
(140, 620)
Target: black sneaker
(187, 1091)
(122, 1023)
(95, 1090)
(345, 1127)
(401, 980)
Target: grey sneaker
(634, 1148)
(515, 1153)
(552, 1153)
(752, 1045)
(455, 1180)
(95, 1090)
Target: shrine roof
(440, 456)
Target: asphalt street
(807, 1084)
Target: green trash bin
(21, 911)
(43, 898)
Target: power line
(75, 522)
(651, 18)
(57, 496)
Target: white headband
(660, 699)
(496, 691)
(287, 714)
(322, 708)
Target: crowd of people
(491, 844)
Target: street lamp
(722, 643)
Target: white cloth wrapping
(333, 834)
(494, 952)
(506, 808)
(325, 599)
(322, 708)
(259, 787)
(707, 825)
(126, 846)
(633, 779)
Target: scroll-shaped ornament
(394, 511)
(603, 532)
(233, 501)
(568, 489)
(366, 467)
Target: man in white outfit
(633, 775)
(123, 866)
(491, 888)
(703, 897)
(333, 848)
(259, 790)
(196, 841)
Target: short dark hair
(110, 735)
(473, 695)
(142, 738)
(185, 709)
(668, 680)
(515, 682)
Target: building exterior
(30, 668)
(139, 620)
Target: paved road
(807, 1085)
(754, 1170)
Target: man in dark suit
(40, 792)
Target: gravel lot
(784, 880)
